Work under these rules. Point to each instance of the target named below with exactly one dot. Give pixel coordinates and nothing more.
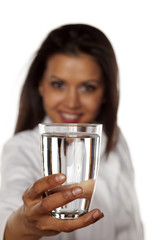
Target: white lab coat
(114, 195)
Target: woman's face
(72, 88)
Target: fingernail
(96, 215)
(76, 191)
(60, 178)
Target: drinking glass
(74, 150)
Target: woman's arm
(33, 219)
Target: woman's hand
(33, 220)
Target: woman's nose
(72, 99)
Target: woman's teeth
(70, 116)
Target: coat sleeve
(19, 169)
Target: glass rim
(71, 124)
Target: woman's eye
(88, 88)
(57, 84)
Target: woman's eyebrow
(97, 81)
(55, 78)
(92, 80)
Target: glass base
(67, 215)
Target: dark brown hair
(69, 39)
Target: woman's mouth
(70, 117)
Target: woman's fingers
(36, 210)
(62, 194)
(82, 221)
(50, 223)
(44, 184)
(46, 205)
(87, 186)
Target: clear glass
(72, 149)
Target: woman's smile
(70, 117)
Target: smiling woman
(73, 79)
(75, 42)
(72, 88)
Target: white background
(133, 26)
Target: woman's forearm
(17, 229)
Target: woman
(73, 78)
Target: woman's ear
(40, 89)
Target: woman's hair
(72, 39)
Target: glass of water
(74, 150)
